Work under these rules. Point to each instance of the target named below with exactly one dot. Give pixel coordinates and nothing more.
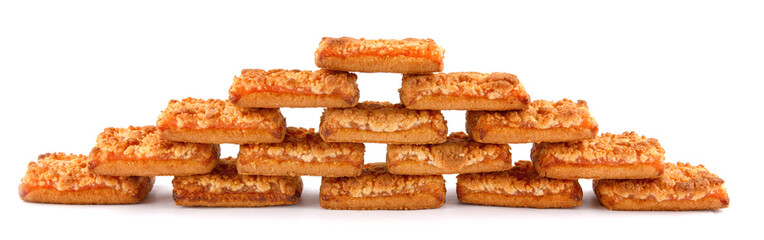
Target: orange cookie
(458, 154)
(409, 55)
(464, 91)
(302, 152)
(382, 122)
(218, 121)
(543, 121)
(65, 178)
(257, 88)
(520, 186)
(377, 189)
(224, 187)
(609, 156)
(680, 187)
(139, 151)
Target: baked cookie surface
(66, 179)
(681, 187)
(302, 152)
(608, 156)
(139, 151)
(225, 187)
(458, 154)
(542, 121)
(218, 121)
(382, 122)
(377, 189)
(408, 55)
(520, 186)
(257, 88)
(463, 91)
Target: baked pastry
(680, 187)
(217, 121)
(302, 152)
(382, 122)
(409, 55)
(464, 91)
(139, 151)
(65, 178)
(458, 154)
(377, 189)
(543, 121)
(257, 88)
(224, 187)
(609, 156)
(520, 186)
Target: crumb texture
(542, 114)
(320, 82)
(191, 113)
(70, 172)
(625, 148)
(225, 179)
(457, 152)
(305, 145)
(382, 117)
(522, 179)
(483, 85)
(145, 142)
(352, 47)
(679, 181)
(376, 181)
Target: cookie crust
(408, 55)
(458, 154)
(258, 88)
(463, 91)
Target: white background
(686, 73)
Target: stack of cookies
(629, 168)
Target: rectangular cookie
(382, 122)
(680, 187)
(139, 151)
(257, 88)
(302, 152)
(409, 55)
(377, 189)
(464, 91)
(520, 186)
(543, 121)
(458, 154)
(66, 179)
(217, 121)
(225, 187)
(609, 156)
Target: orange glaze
(391, 48)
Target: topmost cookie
(410, 55)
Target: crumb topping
(144, 142)
(321, 82)
(522, 179)
(458, 151)
(382, 117)
(70, 172)
(352, 47)
(679, 181)
(224, 179)
(543, 114)
(375, 181)
(191, 113)
(491, 86)
(305, 145)
(628, 147)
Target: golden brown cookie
(543, 121)
(520, 186)
(225, 187)
(382, 122)
(680, 187)
(66, 179)
(377, 189)
(302, 152)
(409, 55)
(217, 121)
(139, 151)
(257, 88)
(609, 156)
(458, 154)
(463, 91)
